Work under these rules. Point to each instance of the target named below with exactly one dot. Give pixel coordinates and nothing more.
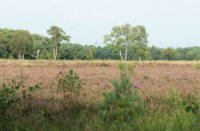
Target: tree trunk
(120, 53)
(19, 55)
(140, 58)
(126, 52)
(54, 51)
(23, 56)
(38, 54)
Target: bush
(173, 99)
(69, 85)
(9, 106)
(40, 117)
(124, 105)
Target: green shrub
(9, 107)
(174, 99)
(69, 85)
(126, 68)
(124, 105)
(191, 104)
(39, 117)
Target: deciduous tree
(125, 35)
(57, 37)
(20, 43)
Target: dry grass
(152, 77)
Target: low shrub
(9, 107)
(123, 106)
(69, 85)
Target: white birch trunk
(53, 51)
(126, 52)
(19, 56)
(56, 52)
(120, 53)
(38, 54)
(23, 54)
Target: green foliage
(191, 104)
(43, 44)
(39, 117)
(123, 105)
(57, 37)
(123, 108)
(77, 51)
(32, 90)
(129, 41)
(124, 36)
(193, 53)
(170, 54)
(3, 51)
(174, 99)
(9, 104)
(57, 34)
(155, 53)
(107, 52)
(71, 51)
(69, 85)
(88, 52)
(127, 69)
(21, 43)
(139, 51)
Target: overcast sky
(173, 23)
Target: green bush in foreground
(124, 105)
(9, 106)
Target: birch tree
(125, 35)
(20, 43)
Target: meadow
(169, 91)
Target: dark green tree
(155, 53)
(41, 47)
(170, 54)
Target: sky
(169, 23)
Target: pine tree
(124, 104)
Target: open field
(166, 96)
(149, 76)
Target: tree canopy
(57, 37)
(124, 36)
(125, 42)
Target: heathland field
(148, 76)
(160, 83)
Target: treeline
(124, 42)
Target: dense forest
(123, 42)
